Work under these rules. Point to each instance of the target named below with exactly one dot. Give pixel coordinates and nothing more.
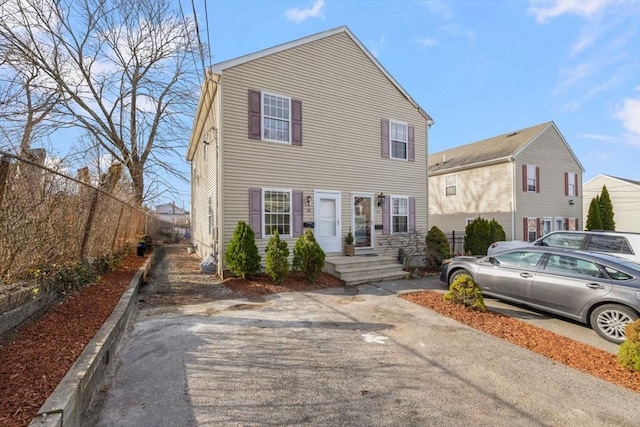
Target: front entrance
(327, 219)
(362, 220)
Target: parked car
(593, 288)
(624, 245)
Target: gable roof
(497, 149)
(219, 67)
(629, 181)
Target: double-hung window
(398, 139)
(399, 214)
(451, 185)
(276, 205)
(572, 179)
(276, 118)
(532, 181)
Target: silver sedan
(596, 289)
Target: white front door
(327, 220)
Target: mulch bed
(36, 357)
(262, 284)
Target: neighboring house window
(275, 118)
(530, 179)
(559, 223)
(531, 229)
(399, 140)
(276, 209)
(469, 220)
(570, 184)
(399, 214)
(546, 225)
(451, 185)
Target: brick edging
(73, 395)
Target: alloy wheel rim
(613, 323)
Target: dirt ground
(36, 357)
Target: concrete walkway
(338, 357)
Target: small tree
(478, 237)
(242, 256)
(606, 210)
(497, 232)
(277, 258)
(437, 248)
(594, 221)
(308, 256)
(465, 291)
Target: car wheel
(610, 320)
(458, 273)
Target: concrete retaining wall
(24, 303)
(73, 395)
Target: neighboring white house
(526, 180)
(625, 198)
(313, 133)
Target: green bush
(629, 352)
(242, 256)
(497, 232)
(481, 234)
(465, 291)
(308, 256)
(277, 258)
(436, 248)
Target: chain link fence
(48, 218)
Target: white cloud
(586, 40)
(545, 11)
(597, 137)
(314, 10)
(629, 114)
(573, 76)
(455, 30)
(439, 8)
(377, 46)
(427, 41)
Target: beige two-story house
(313, 133)
(625, 198)
(527, 180)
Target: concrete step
(353, 279)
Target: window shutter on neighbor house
(524, 178)
(537, 179)
(566, 223)
(538, 229)
(575, 178)
(386, 215)
(254, 115)
(412, 146)
(525, 229)
(296, 122)
(566, 183)
(384, 137)
(412, 214)
(255, 211)
(297, 213)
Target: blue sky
(480, 68)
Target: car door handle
(525, 275)
(594, 286)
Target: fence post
(87, 226)
(4, 175)
(453, 242)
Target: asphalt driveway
(341, 357)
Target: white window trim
(372, 196)
(391, 156)
(262, 117)
(469, 221)
(391, 215)
(445, 185)
(264, 224)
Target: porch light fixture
(571, 202)
(308, 200)
(381, 197)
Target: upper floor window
(276, 116)
(399, 214)
(530, 179)
(276, 205)
(398, 139)
(571, 184)
(451, 185)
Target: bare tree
(126, 71)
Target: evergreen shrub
(308, 256)
(465, 291)
(277, 266)
(242, 256)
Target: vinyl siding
(344, 97)
(549, 153)
(625, 198)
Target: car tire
(610, 320)
(458, 273)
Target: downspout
(513, 199)
(219, 183)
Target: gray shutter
(386, 216)
(412, 214)
(255, 211)
(384, 137)
(296, 122)
(537, 179)
(297, 213)
(412, 147)
(254, 115)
